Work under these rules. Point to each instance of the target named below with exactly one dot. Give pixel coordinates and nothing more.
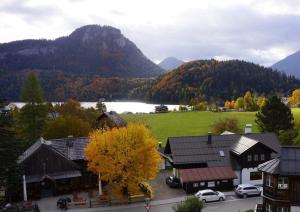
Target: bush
(147, 189)
(191, 204)
(227, 124)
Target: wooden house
(281, 185)
(109, 120)
(55, 167)
(225, 160)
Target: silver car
(209, 195)
(246, 190)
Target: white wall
(295, 209)
(246, 176)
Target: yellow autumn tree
(125, 157)
(261, 101)
(227, 104)
(295, 99)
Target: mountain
(213, 81)
(290, 65)
(91, 49)
(170, 63)
(91, 63)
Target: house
(55, 167)
(281, 185)
(109, 120)
(161, 109)
(220, 161)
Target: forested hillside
(213, 80)
(59, 86)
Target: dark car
(62, 203)
(173, 182)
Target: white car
(209, 195)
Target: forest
(215, 81)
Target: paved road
(232, 204)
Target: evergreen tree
(10, 149)
(101, 107)
(32, 117)
(274, 116)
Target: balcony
(275, 193)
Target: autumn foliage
(125, 157)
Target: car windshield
(216, 192)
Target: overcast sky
(261, 31)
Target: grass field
(165, 125)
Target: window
(283, 183)
(255, 176)
(262, 157)
(211, 184)
(256, 157)
(195, 185)
(282, 209)
(269, 180)
(221, 152)
(249, 158)
(268, 207)
(218, 182)
(202, 183)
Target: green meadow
(164, 125)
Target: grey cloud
(235, 33)
(33, 15)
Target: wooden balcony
(275, 193)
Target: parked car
(246, 190)
(173, 182)
(209, 195)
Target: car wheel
(245, 196)
(221, 199)
(204, 200)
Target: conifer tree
(32, 117)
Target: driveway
(162, 190)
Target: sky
(259, 31)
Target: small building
(281, 185)
(161, 109)
(225, 160)
(56, 166)
(109, 120)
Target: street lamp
(147, 204)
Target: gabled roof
(195, 149)
(112, 115)
(60, 146)
(270, 166)
(242, 145)
(287, 164)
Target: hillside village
(156, 106)
(70, 168)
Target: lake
(119, 107)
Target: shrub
(191, 204)
(227, 124)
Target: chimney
(69, 145)
(209, 138)
(248, 128)
(160, 144)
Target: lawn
(165, 125)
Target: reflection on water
(119, 107)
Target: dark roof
(74, 152)
(207, 174)
(195, 149)
(112, 115)
(287, 164)
(54, 176)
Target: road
(232, 204)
